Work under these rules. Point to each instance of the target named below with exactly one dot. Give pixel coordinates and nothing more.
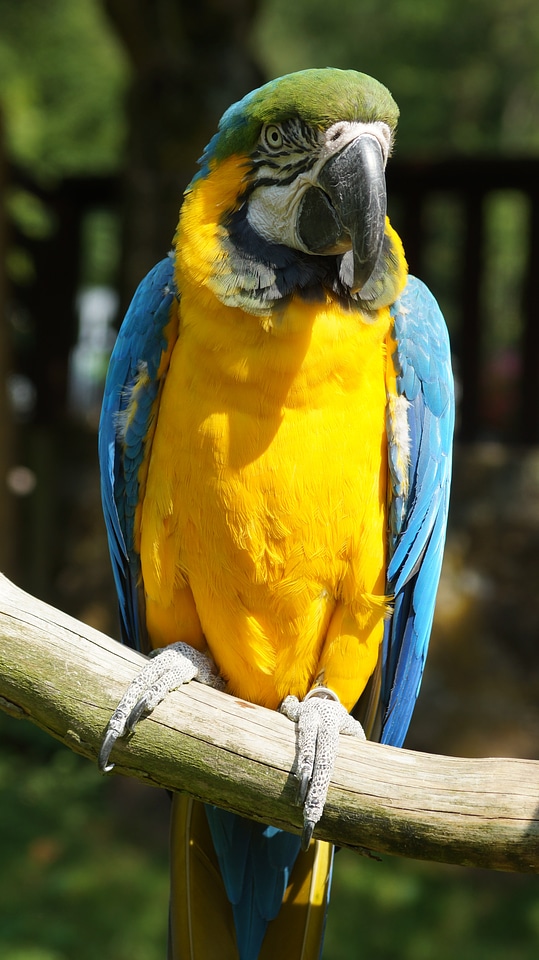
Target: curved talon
(307, 834)
(304, 779)
(320, 717)
(106, 749)
(167, 669)
(140, 708)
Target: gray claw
(307, 834)
(304, 779)
(106, 749)
(166, 670)
(320, 718)
(140, 708)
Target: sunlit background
(104, 109)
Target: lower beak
(347, 209)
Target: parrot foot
(167, 669)
(320, 717)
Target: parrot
(275, 448)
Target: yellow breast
(263, 528)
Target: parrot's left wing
(421, 419)
(137, 367)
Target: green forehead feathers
(319, 97)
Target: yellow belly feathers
(263, 528)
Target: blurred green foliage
(62, 81)
(465, 75)
(407, 910)
(100, 248)
(80, 877)
(506, 236)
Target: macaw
(275, 448)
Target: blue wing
(419, 505)
(131, 391)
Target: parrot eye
(272, 136)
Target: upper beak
(347, 208)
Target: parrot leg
(321, 717)
(168, 668)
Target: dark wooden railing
(469, 181)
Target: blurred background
(105, 106)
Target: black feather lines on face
(266, 272)
(300, 144)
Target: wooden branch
(67, 678)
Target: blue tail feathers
(256, 862)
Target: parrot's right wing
(136, 372)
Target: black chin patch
(270, 272)
(318, 226)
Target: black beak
(348, 209)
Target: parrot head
(308, 208)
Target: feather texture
(136, 368)
(418, 520)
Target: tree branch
(67, 678)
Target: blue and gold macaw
(275, 448)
